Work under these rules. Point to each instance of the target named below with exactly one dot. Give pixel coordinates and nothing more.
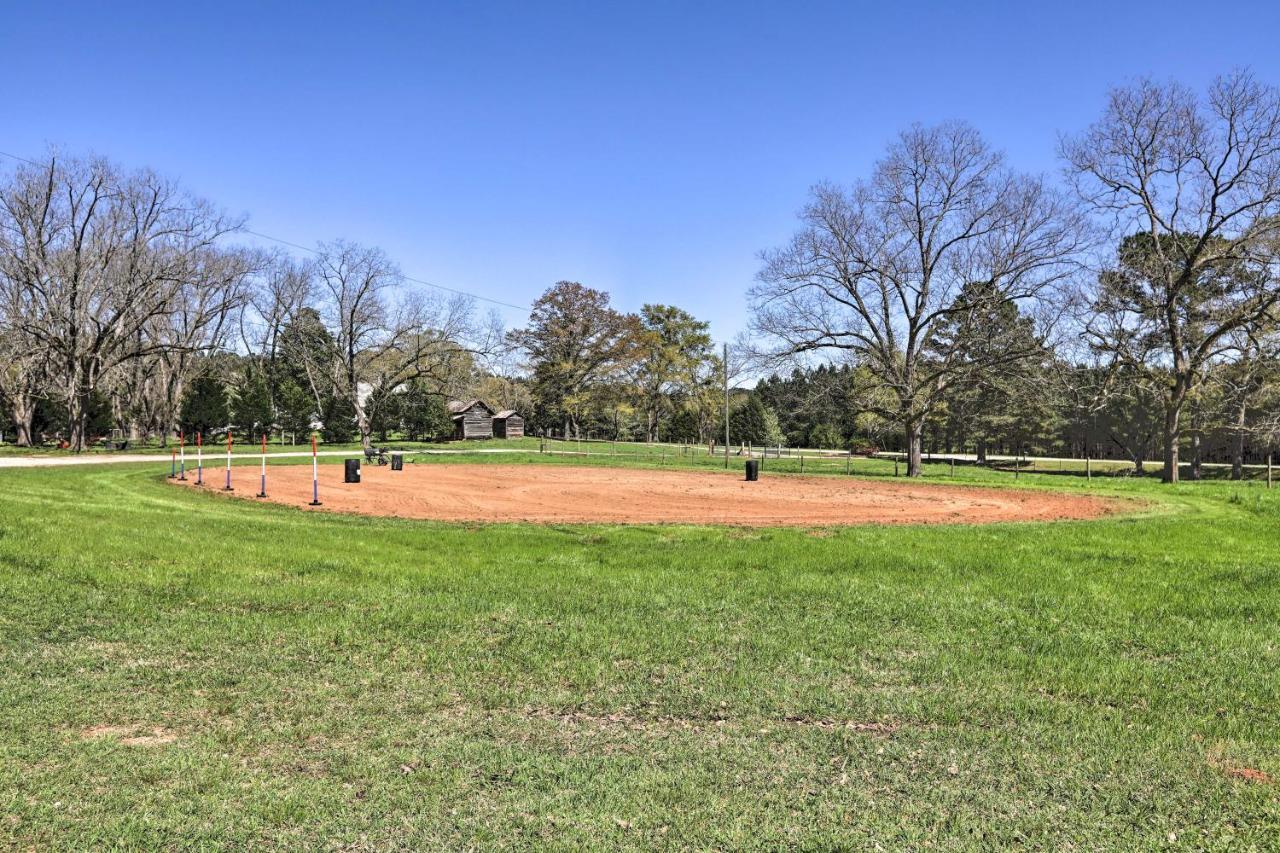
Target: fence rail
(810, 460)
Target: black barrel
(397, 461)
(753, 470)
(352, 471)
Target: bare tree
(282, 289)
(877, 270)
(22, 364)
(1193, 187)
(22, 376)
(105, 256)
(214, 291)
(383, 337)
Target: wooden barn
(472, 419)
(507, 424)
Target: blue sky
(649, 149)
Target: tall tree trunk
(362, 419)
(1237, 442)
(915, 439)
(23, 412)
(77, 417)
(1196, 457)
(362, 424)
(1172, 433)
(982, 451)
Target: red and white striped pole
(315, 474)
(262, 493)
(182, 456)
(199, 458)
(227, 487)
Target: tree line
(946, 301)
(949, 279)
(129, 312)
(125, 305)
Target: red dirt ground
(565, 494)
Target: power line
(313, 251)
(432, 284)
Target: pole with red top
(227, 487)
(182, 456)
(315, 474)
(199, 458)
(262, 493)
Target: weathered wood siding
(475, 422)
(511, 426)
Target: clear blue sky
(649, 149)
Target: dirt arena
(569, 494)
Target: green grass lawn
(179, 670)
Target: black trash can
(352, 471)
(753, 470)
(397, 461)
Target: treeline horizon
(944, 302)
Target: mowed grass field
(179, 670)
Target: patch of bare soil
(565, 494)
(131, 735)
(1232, 770)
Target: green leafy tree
(574, 342)
(383, 408)
(1006, 401)
(424, 414)
(304, 347)
(251, 409)
(772, 428)
(670, 349)
(295, 407)
(825, 436)
(749, 424)
(339, 418)
(205, 407)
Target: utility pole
(726, 406)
